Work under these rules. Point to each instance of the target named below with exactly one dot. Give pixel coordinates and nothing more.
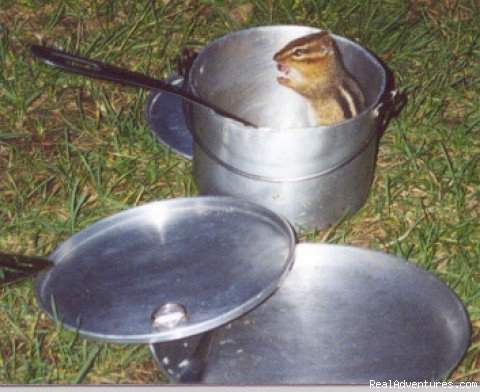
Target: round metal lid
(165, 118)
(167, 270)
(344, 315)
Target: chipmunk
(311, 66)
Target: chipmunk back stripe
(355, 94)
(343, 104)
(350, 100)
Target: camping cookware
(167, 269)
(344, 315)
(165, 117)
(15, 268)
(175, 273)
(310, 175)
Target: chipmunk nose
(283, 68)
(276, 57)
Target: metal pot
(310, 175)
(165, 270)
(344, 315)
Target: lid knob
(169, 315)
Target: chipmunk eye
(299, 52)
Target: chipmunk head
(306, 62)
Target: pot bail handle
(185, 61)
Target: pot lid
(167, 270)
(165, 118)
(344, 315)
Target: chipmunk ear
(326, 41)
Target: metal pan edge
(271, 346)
(164, 115)
(99, 228)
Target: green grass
(75, 150)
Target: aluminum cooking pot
(311, 175)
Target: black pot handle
(15, 268)
(96, 69)
(99, 70)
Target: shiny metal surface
(344, 315)
(169, 315)
(165, 118)
(212, 258)
(309, 203)
(311, 175)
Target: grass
(75, 150)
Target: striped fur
(345, 101)
(351, 93)
(311, 66)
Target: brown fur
(324, 80)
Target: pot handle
(99, 70)
(390, 101)
(14, 268)
(185, 360)
(96, 69)
(185, 61)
